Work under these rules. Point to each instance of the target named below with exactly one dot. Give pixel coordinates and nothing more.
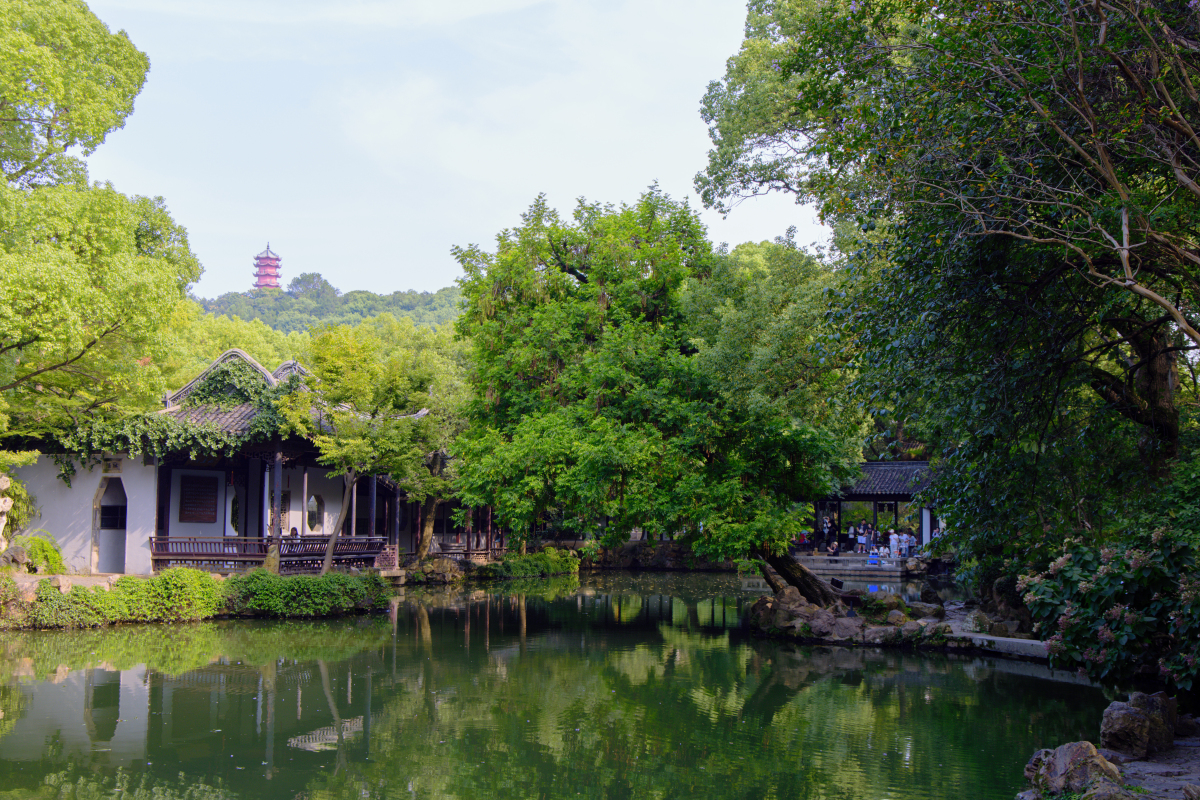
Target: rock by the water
(790, 596)
(896, 617)
(880, 634)
(1125, 729)
(823, 622)
(14, 555)
(848, 628)
(910, 629)
(930, 595)
(931, 610)
(1074, 768)
(887, 600)
(1007, 627)
(61, 582)
(1107, 790)
(1191, 792)
(1186, 725)
(782, 618)
(977, 622)
(1161, 710)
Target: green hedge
(548, 562)
(187, 595)
(262, 593)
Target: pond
(613, 686)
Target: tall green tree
(381, 400)
(66, 82)
(1051, 123)
(592, 403)
(88, 276)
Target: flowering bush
(1119, 610)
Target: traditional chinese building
(266, 269)
(124, 513)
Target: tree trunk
(771, 578)
(813, 589)
(428, 517)
(350, 479)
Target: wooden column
(470, 531)
(277, 499)
(489, 531)
(304, 503)
(417, 528)
(371, 504)
(396, 519)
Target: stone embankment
(1146, 749)
(884, 620)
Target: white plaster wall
(330, 490)
(66, 512)
(177, 528)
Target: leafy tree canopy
(310, 300)
(599, 401)
(66, 81)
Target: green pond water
(614, 686)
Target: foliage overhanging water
(629, 686)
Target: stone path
(1165, 774)
(956, 615)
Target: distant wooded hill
(311, 300)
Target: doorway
(110, 537)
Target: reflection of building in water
(326, 738)
(94, 716)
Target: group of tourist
(866, 539)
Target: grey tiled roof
(890, 477)
(234, 419)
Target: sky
(365, 138)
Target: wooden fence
(237, 553)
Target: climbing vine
(157, 435)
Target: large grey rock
(782, 618)
(927, 610)
(910, 629)
(886, 599)
(1073, 768)
(1161, 709)
(822, 624)
(930, 595)
(789, 596)
(1125, 729)
(880, 634)
(61, 582)
(848, 628)
(1186, 725)
(1107, 790)
(977, 622)
(14, 555)
(896, 617)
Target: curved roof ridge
(232, 354)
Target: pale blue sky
(363, 139)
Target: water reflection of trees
(686, 713)
(601, 693)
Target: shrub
(264, 593)
(177, 595)
(43, 552)
(1121, 610)
(550, 561)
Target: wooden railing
(236, 553)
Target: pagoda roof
(268, 253)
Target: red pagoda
(266, 269)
